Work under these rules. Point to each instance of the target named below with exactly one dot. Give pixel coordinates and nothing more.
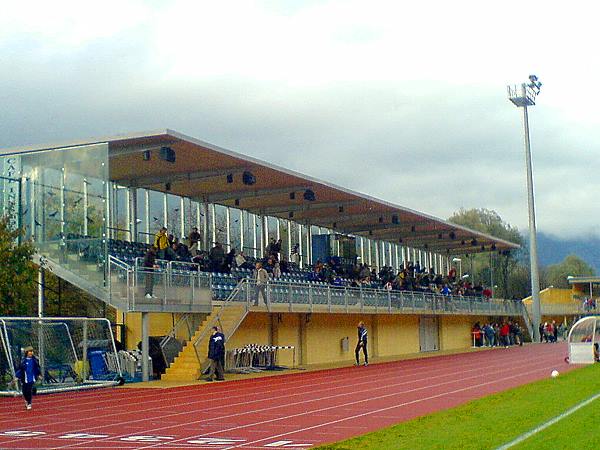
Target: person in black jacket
(149, 267)
(216, 354)
(28, 372)
(362, 343)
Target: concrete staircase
(187, 366)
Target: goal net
(74, 353)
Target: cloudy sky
(401, 100)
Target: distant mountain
(552, 250)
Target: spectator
(489, 333)
(504, 334)
(194, 239)
(276, 270)
(295, 255)
(149, 268)
(217, 257)
(161, 242)
(262, 278)
(477, 335)
(229, 259)
(276, 249)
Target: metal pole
(145, 347)
(41, 285)
(85, 207)
(533, 258)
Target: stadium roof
(205, 172)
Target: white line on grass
(545, 425)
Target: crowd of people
(550, 332)
(497, 334)
(413, 277)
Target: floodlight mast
(522, 98)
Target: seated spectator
(217, 257)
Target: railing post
(412, 294)
(328, 298)
(310, 299)
(389, 302)
(268, 289)
(362, 301)
(164, 302)
(346, 298)
(290, 296)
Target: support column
(205, 231)
(213, 224)
(300, 252)
(181, 218)
(289, 239)
(147, 213)
(241, 249)
(85, 207)
(254, 238)
(228, 228)
(166, 212)
(133, 222)
(145, 347)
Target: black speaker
(309, 195)
(248, 178)
(167, 154)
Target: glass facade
(61, 204)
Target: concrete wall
(318, 337)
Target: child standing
(27, 373)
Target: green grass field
(492, 421)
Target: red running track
(288, 411)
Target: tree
(504, 264)
(556, 274)
(18, 274)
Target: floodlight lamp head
(533, 78)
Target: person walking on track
(28, 373)
(362, 343)
(216, 354)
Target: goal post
(73, 352)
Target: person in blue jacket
(362, 343)
(27, 373)
(216, 354)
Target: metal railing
(172, 287)
(572, 308)
(239, 294)
(322, 297)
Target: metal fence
(321, 297)
(171, 287)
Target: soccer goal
(73, 352)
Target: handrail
(217, 318)
(118, 262)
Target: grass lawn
(492, 421)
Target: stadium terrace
(333, 256)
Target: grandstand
(92, 209)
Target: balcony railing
(300, 297)
(176, 287)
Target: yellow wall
(553, 296)
(455, 331)
(159, 325)
(255, 329)
(397, 335)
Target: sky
(405, 101)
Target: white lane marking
(147, 438)
(422, 376)
(386, 408)
(550, 422)
(22, 433)
(82, 436)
